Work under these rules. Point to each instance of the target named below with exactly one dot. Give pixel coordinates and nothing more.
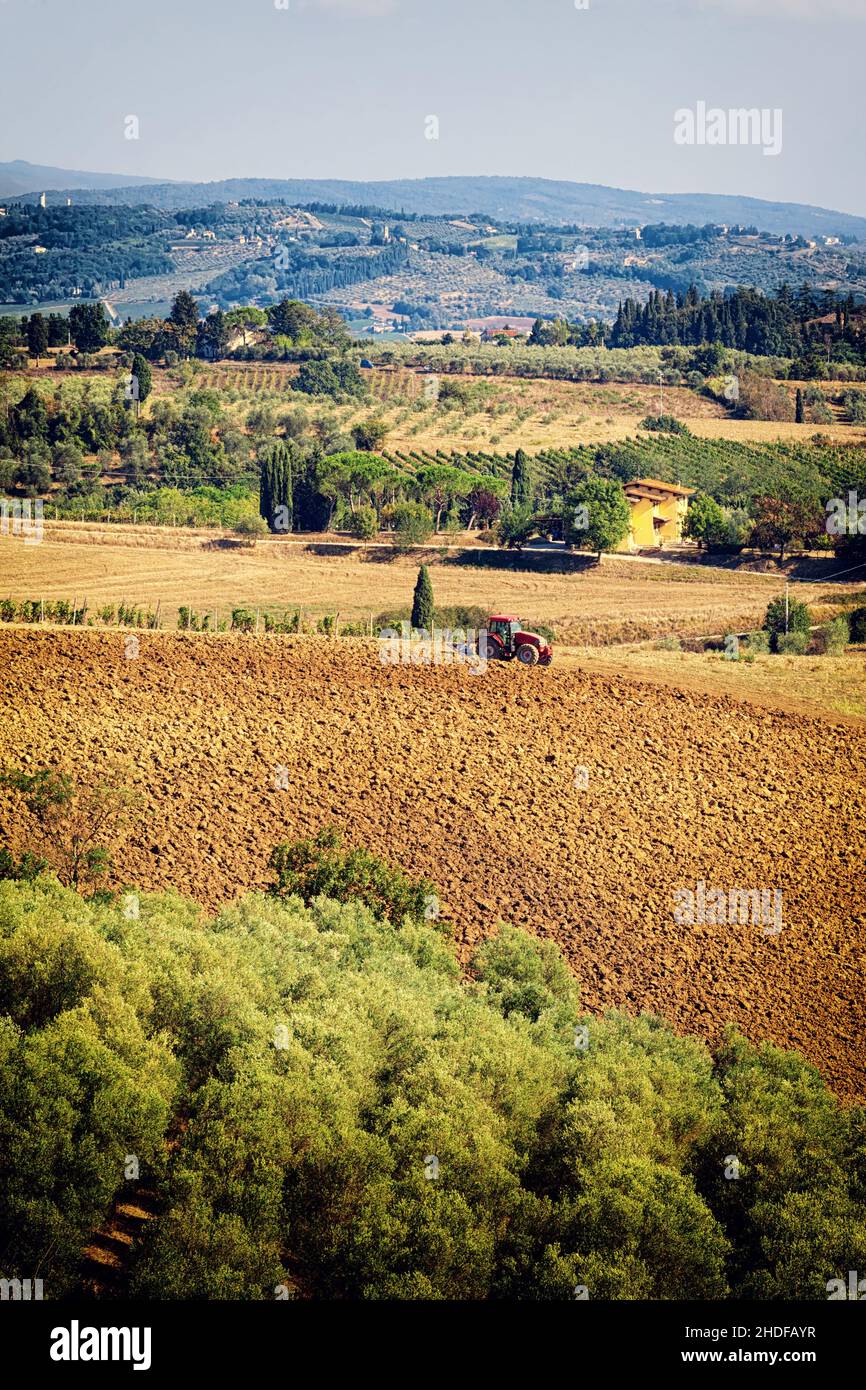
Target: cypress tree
(799, 414)
(141, 369)
(275, 487)
(37, 336)
(422, 601)
(521, 486)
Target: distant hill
(509, 199)
(18, 176)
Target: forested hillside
(517, 199)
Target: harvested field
(472, 782)
(618, 600)
(817, 685)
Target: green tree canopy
(705, 521)
(596, 515)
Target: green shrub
(543, 629)
(412, 523)
(835, 636)
(791, 643)
(671, 643)
(758, 642)
(28, 867)
(251, 528)
(515, 527)
(319, 867)
(363, 524)
(289, 622)
(664, 424)
(794, 614)
(857, 620)
(243, 620)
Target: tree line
(784, 324)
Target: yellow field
(618, 600)
(810, 684)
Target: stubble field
(617, 600)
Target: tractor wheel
(492, 650)
(526, 654)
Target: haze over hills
(19, 176)
(509, 199)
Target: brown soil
(471, 781)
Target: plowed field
(472, 781)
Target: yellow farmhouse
(657, 513)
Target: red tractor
(506, 639)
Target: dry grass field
(616, 601)
(829, 685)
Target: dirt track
(472, 782)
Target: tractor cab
(505, 628)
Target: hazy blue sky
(341, 88)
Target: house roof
(655, 488)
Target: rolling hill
(18, 177)
(510, 199)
